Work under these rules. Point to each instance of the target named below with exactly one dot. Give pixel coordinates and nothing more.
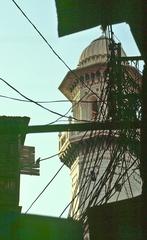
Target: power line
(45, 187)
(94, 146)
(87, 152)
(43, 107)
(49, 45)
(27, 101)
(43, 101)
(40, 34)
(36, 103)
(65, 64)
(51, 48)
(51, 101)
(75, 104)
(53, 176)
(120, 177)
(43, 159)
(73, 199)
(106, 178)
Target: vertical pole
(144, 154)
(143, 167)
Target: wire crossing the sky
(49, 45)
(45, 188)
(48, 184)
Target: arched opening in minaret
(92, 108)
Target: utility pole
(85, 126)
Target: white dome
(96, 52)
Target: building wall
(91, 102)
(92, 176)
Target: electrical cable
(51, 179)
(126, 145)
(45, 188)
(86, 190)
(71, 201)
(74, 105)
(116, 156)
(83, 167)
(120, 177)
(51, 101)
(127, 175)
(119, 154)
(103, 197)
(111, 167)
(98, 160)
(102, 181)
(46, 41)
(77, 102)
(75, 194)
(99, 116)
(29, 99)
(49, 45)
(129, 179)
(38, 104)
(44, 159)
(111, 179)
(94, 150)
(81, 193)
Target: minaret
(104, 164)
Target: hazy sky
(28, 64)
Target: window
(87, 76)
(94, 108)
(89, 108)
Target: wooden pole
(83, 126)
